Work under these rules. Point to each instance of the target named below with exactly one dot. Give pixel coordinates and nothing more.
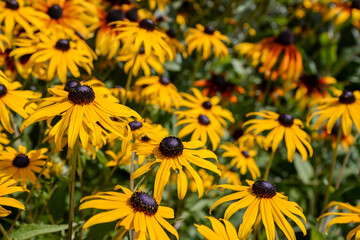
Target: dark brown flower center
(246, 154)
(238, 133)
(171, 147)
(142, 50)
(55, 11)
(145, 138)
(207, 105)
(134, 125)
(21, 161)
(3, 90)
(132, 15)
(81, 94)
(264, 189)
(143, 202)
(24, 58)
(286, 119)
(171, 33)
(71, 84)
(114, 15)
(62, 45)
(312, 82)
(203, 120)
(285, 38)
(147, 24)
(355, 4)
(12, 4)
(209, 30)
(347, 97)
(164, 80)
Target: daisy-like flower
(342, 11)
(85, 113)
(230, 175)
(247, 139)
(206, 178)
(144, 33)
(218, 231)
(353, 216)
(262, 200)
(160, 91)
(175, 44)
(135, 210)
(345, 105)
(3, 139)
(174, 154)
(200, 104)
(14, 12)
(204, 39)
(345, 141)
(160, 3)
(22, 164)
(218, 83)
(267, 53)
(137, 60)
(9, 186)
(121, 158)
(281, 126)
(242, 158)
(15, 100)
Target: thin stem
(326, 197)
(268, 166)
(129, 79)
(3, 231)
(73, 160)
(267, 92)
(197, 65)
(133, 155)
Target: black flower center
(355, 4)
(347, 97)
(312, 82)
(24, 58)
(238, 133)
(203, 120)
(62, 45)
(142, 50)
(3, 90)
(264, 189)
(114, 15)
(134, 125)
(132, 15)
(209, 30)
(12, 4)
(207, 105)
(246, 154)
(143, 202)
(71, 84)
(171, 33)
(55, 11)
(286, 119)
(285, 38)
(21, 161)
(164, 80)
(171, 147)
(145, 138)
(147, 24)
(81, 94)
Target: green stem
(268, 166)
(129, 79)
(326, 197)
(196, 68)
(3, 231)
(73, 160)
(267, 92)
(133, 155)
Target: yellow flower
(345, 105)
(281, 126)
(135, 210)
(175, 44)
(172, 153)
(229, 175)
(4, 43)
(160, 3)
(15, 100)
(121, 158)
(204, 38)
(3, 139)
(206, 178)
(342, 11)
(262, 200)
(353, 216)
(9, 186)
(218, 231)
(242, 158)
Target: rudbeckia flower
(15, 100)
(342, 11)
(277, 56)
(206, 178)
(242, 158)
(345, 105)
(175, 44)
(198, 103)
(160, 91)
(9, 186)
(201, 127)
(353, 216)
(247, 139)
(281, 126)
(218, 83)
(204, 39)
(85, 113)
(160, 3)
(218, 231)
(174, 154)
(14, 12)
(135, 210)
(262, 200)
(345, 141)
(230, 175)
(3, 139)
(121, 158)
(22, 164)
(144, 33)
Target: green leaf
(26, 231)
(304, 169)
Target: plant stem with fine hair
(73, 160)
(268, 166)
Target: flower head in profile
(204, 39)
(341, 11)
(247, 139)
(352, 216)
(345, 106)
(172, 153)
(9, 186)
(221, 230)
(261, 199)
(242, 158)
(3, 139)
(14, 99)
(206, 178)
(134, 210)
(22, 164)
(277, 56)
(281, 126)
(229, 175)
(175, 45)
